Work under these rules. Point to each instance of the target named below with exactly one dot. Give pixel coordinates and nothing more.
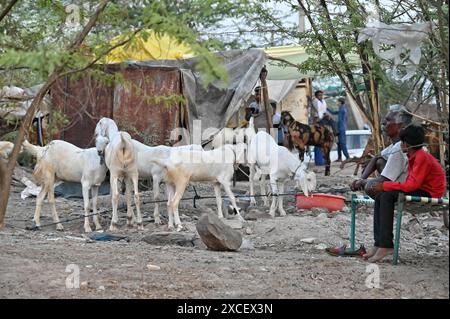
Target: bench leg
(352, 229)
(401, 202)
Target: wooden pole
(265, 95)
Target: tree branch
(7, 9)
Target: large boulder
(217, 235)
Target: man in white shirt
(320, 104)
(392, 163)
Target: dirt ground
(273, 263)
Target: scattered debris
(170, 238)
(107, 237)
(308, 240)
(153, 267)
(321, 246)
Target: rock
(84, 284)
(185, 218)
(234, 223)
(416, 229)
(322, 216)
(319, 210)
(101, 288)
(153, 267)
(217, 235)
(346, 209)
(436, 233)
(246, 245)
(251, 215)
(248, 231)
(198, 243)
(308, 240)
(255, 214)
(320, 246)
(170, 238)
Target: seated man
(425, 178)
(391, 164)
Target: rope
(196, 197)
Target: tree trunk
(26, 123)
(265, 95)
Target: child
(425, 178)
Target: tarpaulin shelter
(138, 105)
(150, 47)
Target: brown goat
(300, 135)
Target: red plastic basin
(331, 202)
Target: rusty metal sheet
(84, 102)
(138, 106)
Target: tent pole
(265, 92)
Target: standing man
(319, 104)
(342, 128)
(276, 121)
(255, 106)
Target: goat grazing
(60, 160)
(300, 135)
(216, 166)
(281, 165)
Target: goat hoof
(113, 228)
(158, 221)
(179, 227)
(272, 214)
(140, 226)
(87, 229)
(59, 227)
(282, 213)
(252, 202)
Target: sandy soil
(274, 263)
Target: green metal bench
(418, 204)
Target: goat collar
(295, 172)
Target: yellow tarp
(154, 48)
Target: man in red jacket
(425, 178)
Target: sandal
(344, 252)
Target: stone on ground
(217, 235)
(170, 238)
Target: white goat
(280, 165)
(216, 166)
(5, 149)
(60, 160)
(234, 136)
(121, 160)
(146, 168)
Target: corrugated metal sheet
(136, 105)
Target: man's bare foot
(371, 252)
(381, 253)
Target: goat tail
(126, 153)
(35, 150)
